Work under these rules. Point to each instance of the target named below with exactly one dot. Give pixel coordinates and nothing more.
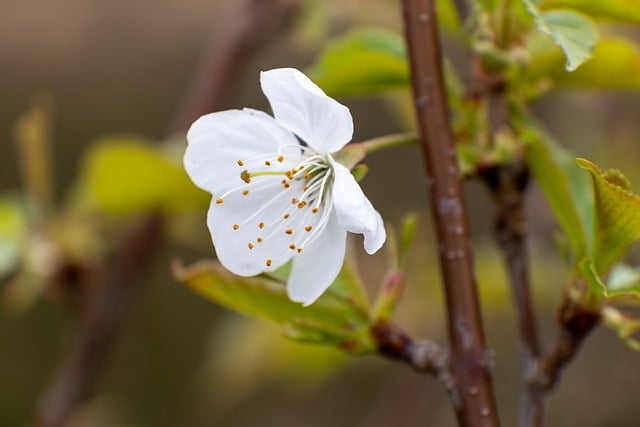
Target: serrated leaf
(566, 189)
(612, 10)
(615, 65)
(574, 32)
(124, 174)
(364, 61)
(332, 319)
(617, 217)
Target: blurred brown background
(114, 67)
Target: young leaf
(126, 174)
(612, 10)
(617, 215)
(575, 33)
(333, 319)
(362, 62)
(566, 189)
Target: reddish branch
(255, 23)
(472, 390)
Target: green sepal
(332, 320)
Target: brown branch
(507, 184)
(254, 23)
(99, 324)
(257, 21)
(472, 389)
(576, 323)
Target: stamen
(269, 263)
(250, 245)
(245, 176)
(288, 231)
(240, 163)
(245, 192)
(259, 239)
(299, 250)
(280, 158)
(302, 204)
(314, 210)
(261, 225)
(308, 228)
(286, 216)
(219, 201)
(236, 226)
(267, 163)
(292, 246)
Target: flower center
(291, 190)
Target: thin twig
(576, 323)
(472, 389)
(256, 23)
(508, 184)
(99, 325)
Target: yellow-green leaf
(12, 232)
(615, 65)
(125, 174)
(617, 213)
(611, 10)
(333, 319)
(365, 61)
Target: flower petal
(318, 265)
(354, 211)
(302, 107)
(218, 140)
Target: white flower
(277, 191)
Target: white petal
(302, 107)
(318, 265)
(218, 140)
(354, 211)
(262, 229)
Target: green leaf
(333, 319)
(575, 33)
(617, 212)
(13, 228)
(566, 189)
(612, 10)
(615, 65)
(362, 62)
(124, 174)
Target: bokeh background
(114, 67)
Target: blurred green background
(124, 67)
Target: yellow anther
(314, 210)
(267, 163)
(299, 250)
(269, 262)
(259, 239)
(292, 246)
(288, 231)
(294, 201)
(245, 192)
(236, 226)
(250, 245)
(286, 216)
(261, 225)
(245, 176)
(219, 201)
(302, 204)
(306, 175)
(308, 228)
(240, 163)
(281, 158)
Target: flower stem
(389, 141)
